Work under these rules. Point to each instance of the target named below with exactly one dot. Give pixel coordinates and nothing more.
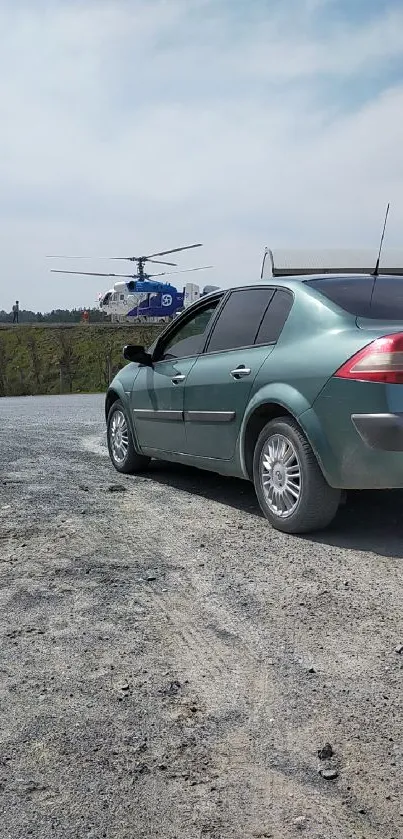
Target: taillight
(381, 361)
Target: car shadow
(230, 491)
(368, 521)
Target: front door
(220, 383)
(157, 405)
(157, 398)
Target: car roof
(304, 279)
(299, 279)
(292, 282)
(287, 282)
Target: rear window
(379, 298)
(275, 317)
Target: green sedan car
(295, 383)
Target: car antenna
(376, 271)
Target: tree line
(55, 316)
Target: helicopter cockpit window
(115, 297)
(121, 297)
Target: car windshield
(378, 298)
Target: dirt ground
(171, 667)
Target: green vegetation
(55, 316)
(66, 359)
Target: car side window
(240, 319)
(275, 317)
(189, 338)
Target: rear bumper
(380, 431)
(356, 430)
(356, 451)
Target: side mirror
(137, 353)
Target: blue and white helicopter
(140, 297)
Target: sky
(133, 126)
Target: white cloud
(140, 125)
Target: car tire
(291, 489)
(122, 453)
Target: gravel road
(171, 667)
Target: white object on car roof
(289, 263)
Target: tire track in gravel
(200, 608)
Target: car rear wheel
(292, 492)
(120, 442)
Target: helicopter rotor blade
(116, 258)
(149, 258)
(94, 274)
(189, 270)
(132, 259)
(103, 258)
(64, 256)
(173, 250)
(122, 258)
(158, 262)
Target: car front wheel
(292, 492)
(120, 442)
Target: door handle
(240, 372)
(176, 380)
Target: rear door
(220, 382)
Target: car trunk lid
(377, 328)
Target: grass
(65, 359)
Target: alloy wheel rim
(281, 476)
(119, 437)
